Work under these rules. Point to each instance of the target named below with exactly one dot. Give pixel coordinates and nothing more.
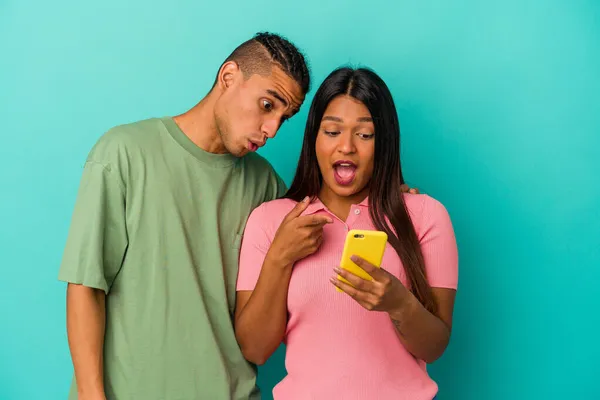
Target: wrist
(278, 259)
(404, 307)
(97, 394)
(91, 389)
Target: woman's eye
(366, 135)
(267, 105)
(331, 133)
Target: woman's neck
(340, 205)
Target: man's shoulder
(121, 140)
(258, 163)
(133, 133)
(267, 180)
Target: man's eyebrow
(278, 97)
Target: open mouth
(344, 172)
(252, 146)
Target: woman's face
(345, 147)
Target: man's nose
(270, 127)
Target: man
(151, 256)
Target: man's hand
(404, 188)
(298, 236)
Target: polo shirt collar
(316, 205)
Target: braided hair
(257, 55)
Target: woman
(373, 340)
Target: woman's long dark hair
(385, 196)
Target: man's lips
(254, 145)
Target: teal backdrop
(499, 104)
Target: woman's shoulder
(424, 208)
(277, 206)
(271, 212)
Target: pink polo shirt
(335, 349)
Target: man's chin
(236, 151)
(240, 152)
(244, 150)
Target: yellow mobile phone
(369, 245)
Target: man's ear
(228, 74)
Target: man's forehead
(283, 87)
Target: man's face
(250, 111)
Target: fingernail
(305, 199)
(337, 270)
(354, 258)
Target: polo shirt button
(357, 211)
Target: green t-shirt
(157, 225)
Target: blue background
(499, 104)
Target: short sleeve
(438, 245)
(277, 187)
(281, 187)
(97, 237)
(255, 245)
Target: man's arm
(85, 329)
(94, 250)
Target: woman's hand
(298, 236)
(384, 293)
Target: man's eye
(267, 105)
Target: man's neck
(199, 125)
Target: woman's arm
(261, 313)
(424, 334)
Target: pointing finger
(298, 209)
(316, 220)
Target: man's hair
(259, 54)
